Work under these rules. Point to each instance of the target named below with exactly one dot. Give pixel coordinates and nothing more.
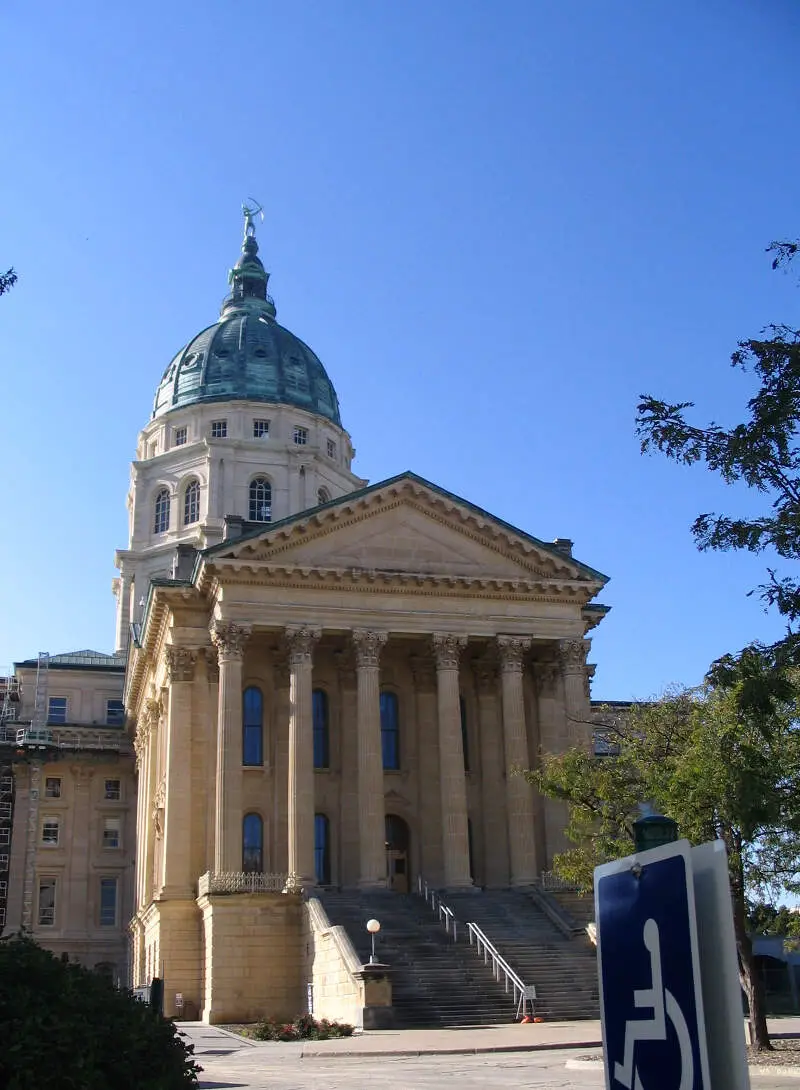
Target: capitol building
(326, 684)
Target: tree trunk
(749, 975)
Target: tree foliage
(720, 773)
(64, 1027)
(763, 452)
(7, 281)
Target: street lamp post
(373, 926)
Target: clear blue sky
(497, 224)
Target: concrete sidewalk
(471, 1040)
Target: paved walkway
(503, 1057)
(531, 1037)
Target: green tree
(7, 281)
(64, 1026)
(718, 772)
(762, 451)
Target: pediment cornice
(537, 562)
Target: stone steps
(440, 983)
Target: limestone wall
(253, 957)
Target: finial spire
(248, 277)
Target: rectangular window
(3, 862)
(108, 902)
(5, 836)
(219, 429)
(261, 429)
(5, 810)
(180, 437)
(50, 827)
(47, 902)
(300, 436)
(112, 790)
(2, 917)
(6, 785)
(3, 889)
(331, 449)
(52, 787)
(57, 710)
(115, 713)
(111, 833)
(390, 731)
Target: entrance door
(397, 838)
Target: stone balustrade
(241, 882)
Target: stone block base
(253, 957)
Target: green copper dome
(246, 355)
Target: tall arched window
(390, 731)
(464, 732)
(252, 844)
(323, 495)
(322, 849)
(161, 512)
(191, 503)
(319, 708)
(253, 727)
(260, 500)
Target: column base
(372, 885)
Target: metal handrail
(445, 914)
(522, 991)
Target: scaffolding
(9, 698)
(38, 735)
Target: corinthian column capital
(368, 644)
(512, 651)
(447, 649)
(180, 663)
(151, 715)
(229, 638)
(572, 654)
(299, 641)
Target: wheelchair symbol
(663, 1005)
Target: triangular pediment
(405, 527)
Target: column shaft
(230, 640)
(302, 872)
(452, 777)
(572, 654)
(371, 813)
(495, 821)
(178, 799)
(519, 793)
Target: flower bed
(304, 1028)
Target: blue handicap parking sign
(653, 1028)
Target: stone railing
(240, 882)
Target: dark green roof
(247, 355)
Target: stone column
(300, 642)
(349, 838)
(493, 788)
(178, 773)
(230, 640)
(552, 734)
(152, 715)
(572, 655)
(429, 817)
(519, 793)
(212, 704)
(455, 832)
(371, 812)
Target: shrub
(67, 1028)
(304, 1028)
